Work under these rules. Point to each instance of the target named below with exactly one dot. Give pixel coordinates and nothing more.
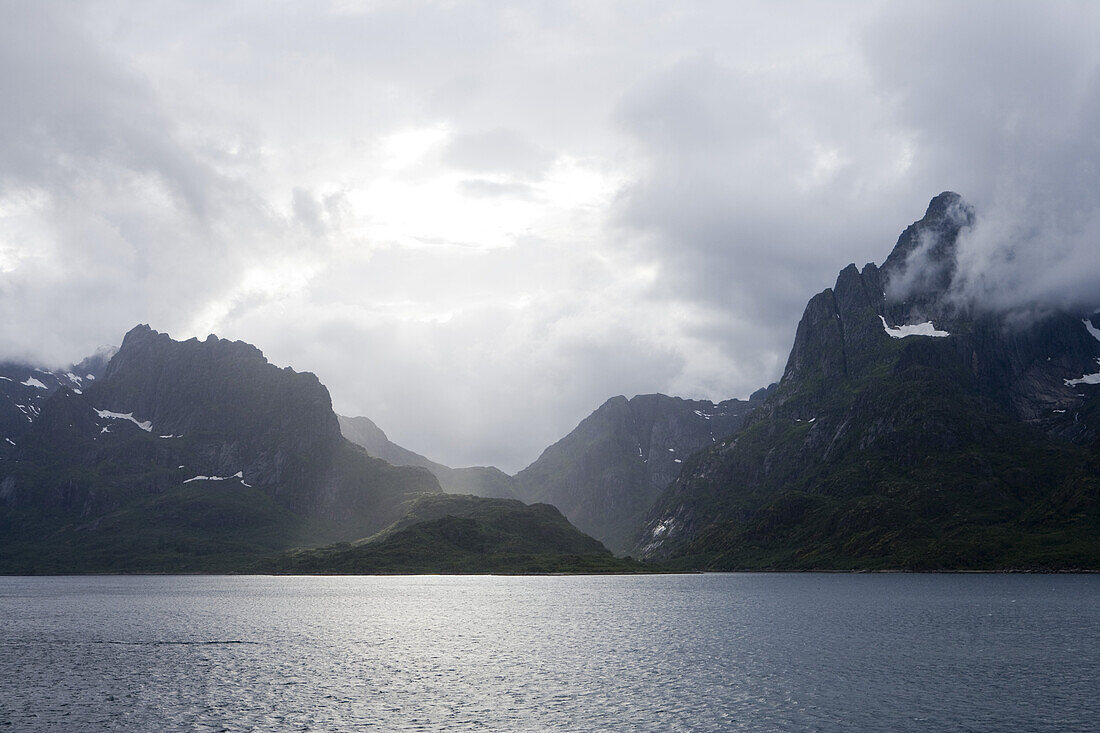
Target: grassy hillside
(465, 534)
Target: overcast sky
(477, 221)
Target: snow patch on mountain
(917, 329)
(32, 382)
(145, 425)
(238, 475)
(1085, 379)
(1093, 330)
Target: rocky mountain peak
(141, 341)
(945, 205)
(606, 472)
(218, 388)
(922, 265)
(904, 308)
(843, 327)
(903, 419)
(207, 433)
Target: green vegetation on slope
(906, 466)
(465, 534)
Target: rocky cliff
(185, 453)
(606, 473)
(910, 429)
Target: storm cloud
(475, 222)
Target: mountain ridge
(148, 467)
(882, 447)
(606, 472)
(485, 481)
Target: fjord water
(685, 652)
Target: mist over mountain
(25, 388)
(912, 428)
(1022, 266)
(485, 481)
(608, 470)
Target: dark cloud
(75, 115)
(476, 222)
(752, 200)
(764, 182)
(1005, 99)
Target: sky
(476, 221)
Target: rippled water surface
(662, 653)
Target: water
(661, 653)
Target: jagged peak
(143, 333)
(140, 331)
(944, 204)
(616, 401)
(848, 274)
(922, 264)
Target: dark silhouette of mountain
(606, 473)
(486, 481)
(187, 455)
(911, 429)
(24, 388)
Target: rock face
(485, 481)
(187, 452)
(606, 473)
(910, 429)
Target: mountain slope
(189, 455)
(24, 388)
(487, 481)
(909, 430)
(606, 473)
(449, 533)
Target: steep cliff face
(910, 428)
(606, 473)
(239, 412)
(203, 446)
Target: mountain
(911, 429)
(448, 533)
(189, 455)
(24, 388)
(606, 473)
(486, 481)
